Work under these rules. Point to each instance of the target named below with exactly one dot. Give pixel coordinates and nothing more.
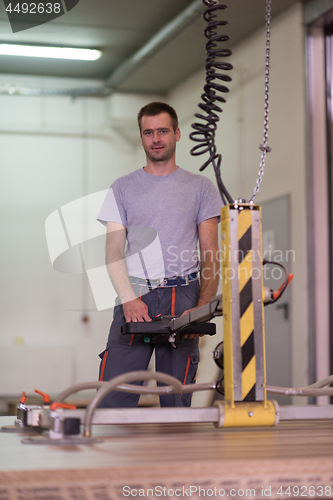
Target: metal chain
(264, 147)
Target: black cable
(285, 284)
(205, 132)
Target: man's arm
(210, 265)
(134, 308)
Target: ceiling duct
(158, 41)
(127, 68)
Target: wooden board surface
(170, 461)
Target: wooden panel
(166, 461)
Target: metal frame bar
(259, 329)
(132, 416)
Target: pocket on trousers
(195, 358)
(188, 296)
(193, 368)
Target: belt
(165, 282)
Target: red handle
(23, 398)
(46, 397)
(56, 405)
(277, 293)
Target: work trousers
(125, 353)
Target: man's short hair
(155, 108)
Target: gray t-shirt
(161, 215)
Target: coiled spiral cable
(204, 133)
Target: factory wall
(55, 150)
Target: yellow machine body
(247, 414)
(243, 316)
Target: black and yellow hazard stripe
(229, 355)
(248, 358)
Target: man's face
(158, 137)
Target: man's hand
(209, 267)
(134, 308)
(192, 335)
(136, 311)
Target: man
(160, 212)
